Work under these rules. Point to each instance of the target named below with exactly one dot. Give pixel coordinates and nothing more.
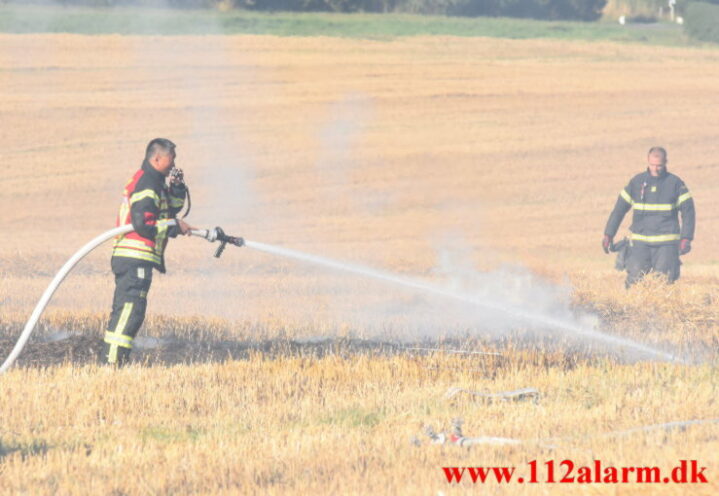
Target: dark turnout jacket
(147, 200)
(657, 202)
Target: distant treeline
(584, 10)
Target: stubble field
(456, 161)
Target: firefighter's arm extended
(183, 228)
(623, 205)
(144, 211)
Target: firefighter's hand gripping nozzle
(217, 234)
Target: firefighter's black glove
(685, 246)
(607, 243)
(178, 190)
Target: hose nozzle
(217, 234)
(224, 239)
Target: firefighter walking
(657, 238)
(147, 199)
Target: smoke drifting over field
(231, 163)
(440, 312)
(457, 301)
(347, 119)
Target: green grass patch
(54, 19)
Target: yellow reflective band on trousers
(147, 193)
(683, 198)
(654, 207)
(117, 338)
(659, 238)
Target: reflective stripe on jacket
(146, 200)
(657, 202)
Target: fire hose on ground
(211, 235)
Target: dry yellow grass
(382, 153)
(330, 426)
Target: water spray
(518, 313)
(217, 234)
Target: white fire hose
(211, 235)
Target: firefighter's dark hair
(158, 145)
(658, 150)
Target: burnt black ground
(84, 349)
(81, 348)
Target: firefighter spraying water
(212, 235)
(218, 235)
(148, 218)
(147, 201)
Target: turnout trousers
(132, 283)
(644, 258)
